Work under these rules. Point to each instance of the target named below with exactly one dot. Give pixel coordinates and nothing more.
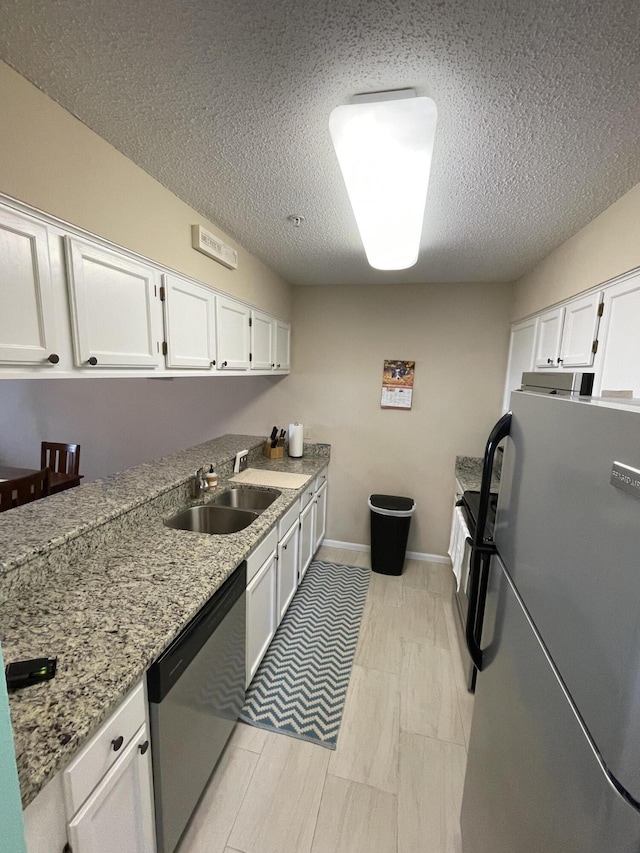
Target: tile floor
(394, 783)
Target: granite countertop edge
(468, 473)
(108, 618)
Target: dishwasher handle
(165, 671)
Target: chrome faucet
(199, 483)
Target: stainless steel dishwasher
(196, 692)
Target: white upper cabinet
(283, 346)
(27, 327)
(72, 304)
(580, 330)
(566, 335)
(189, 318)
(262, 341)
(521, 356)
(620, 338)
(548, 335)
(232, 323)
(114, 307)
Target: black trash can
(390, 522)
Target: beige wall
(457, 334)
(605, 248)
(52, 161)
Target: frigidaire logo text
(626, 478)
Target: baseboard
(412, 555)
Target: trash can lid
(392, 505)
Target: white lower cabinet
(119, 813)
(45, 825)
(261, 611)
(320, 520)
(307, 538)
(287, 568)
(108, 788)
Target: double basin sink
(228, 512)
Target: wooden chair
(63, 460)
(23, 490)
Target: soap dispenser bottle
(211, 478)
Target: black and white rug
(301, 685)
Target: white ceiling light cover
(384, 149)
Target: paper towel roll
(296, 439)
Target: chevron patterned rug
(301, 684)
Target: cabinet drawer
(320, 480)
(92, 762)
(256, 558)
(309, 491)
(288, 518)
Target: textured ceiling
(226, 103)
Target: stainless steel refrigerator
(554, 753)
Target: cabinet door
(287, 568)
(262, 341)
(307, 537)
(521, 356)
(579, 331)
(232, 323)
(261, 614)
(115, 307)
(27, 329)
(119, 813)
(189, 318)
(320, 516)
(620, 338)
(548, 334)
(283, 346)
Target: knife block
(276, 452)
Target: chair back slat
(59, 457)
(23, 490)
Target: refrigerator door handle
(482, 549)
(500, 431)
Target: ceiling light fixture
(384, 143)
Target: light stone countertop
(468, 472)
(110, 599)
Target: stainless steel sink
(253, 499)
(212, 519)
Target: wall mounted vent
(207, 243)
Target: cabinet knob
(278, 365)
(272, 366)
(224, 363)
(143, 747)
(549, 361)
(285, 547)
(53, 358)
(117, 742)
(93, 360)
(213, 363)
(559, 360)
